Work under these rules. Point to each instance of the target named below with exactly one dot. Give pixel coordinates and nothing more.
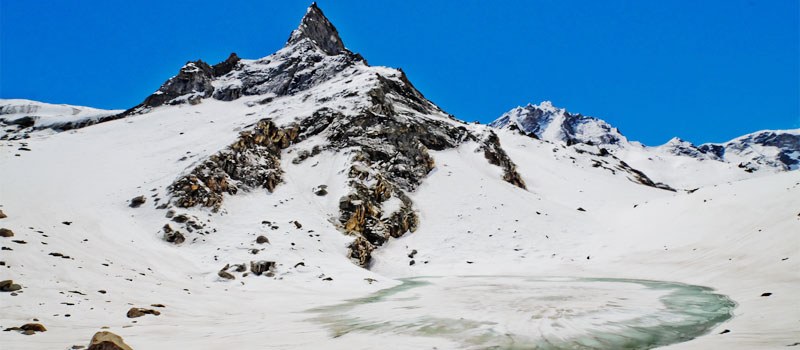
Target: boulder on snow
(9, 286)
(173, 236)
(259, 267)
(137, 201)
(226, 275)
(35, 327)
(3, 215)
(28, 328)
(4, 232)
(139, 312)
(262, 239)
(320, 190)
(107, 341)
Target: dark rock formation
(4, 232)
(2, 215)
(497, 156)
(316, 28)
(226, 66)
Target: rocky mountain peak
(318, 29)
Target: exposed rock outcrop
(496, 155)
(253, 161)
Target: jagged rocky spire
(317, 28)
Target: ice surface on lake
(494, 312)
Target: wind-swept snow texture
(366, 183)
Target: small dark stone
(139, 312)
(321, 190)
(262, 240)
(226, 275)
(299, 264)
(297, 224)
(34, 327)
(4, 232)
(725, 331)
(581, 209)
(766, 294)
(412, 262)
(2, 215)
(67, 223)
(137, 201)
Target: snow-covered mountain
(550, 123)
(296, 201)
(765, 151)
(19, 117)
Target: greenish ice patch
(516, 313)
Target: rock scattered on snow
(262, 266)
(137, 201)
(107, 341)
(322, 190)
(28, 328)
(139, 312)
(9, 286)
(4, 232)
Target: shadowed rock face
(317, 28)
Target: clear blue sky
(705, 71)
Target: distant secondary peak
(317, 28)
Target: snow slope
(579, 216)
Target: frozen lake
(503, 312)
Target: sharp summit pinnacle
(317, 28)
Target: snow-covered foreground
(739, 238)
